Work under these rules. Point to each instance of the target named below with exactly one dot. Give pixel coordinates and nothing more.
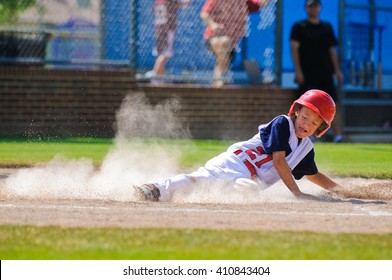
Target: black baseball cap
(310, 2)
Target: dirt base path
(346, 215)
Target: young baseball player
(281, 149)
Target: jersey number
(253, 154)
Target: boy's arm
(323, 181)
(284, 171)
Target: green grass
(358, 160)
(32, 242)
(22, 152)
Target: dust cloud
(137, 118)
(127, 163)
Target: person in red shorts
(165, 14)
(225, 22)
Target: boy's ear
(296, 110)
(320, 129)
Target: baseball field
(72, 199)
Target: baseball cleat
(147, 192)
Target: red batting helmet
(319, 102)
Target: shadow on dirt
(352, 200)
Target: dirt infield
(367, 208)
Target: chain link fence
(119, 33)
(192, 58)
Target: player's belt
(248, 164)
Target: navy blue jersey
(275, 137)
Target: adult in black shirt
(312, 44)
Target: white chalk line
(72, 207)
(364, 211)
(373, 212)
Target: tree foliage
(9, 9)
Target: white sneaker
(150, 74)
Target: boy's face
(307, 122)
